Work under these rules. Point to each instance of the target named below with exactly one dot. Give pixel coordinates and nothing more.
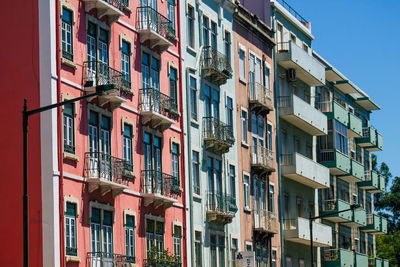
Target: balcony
(304, 170)
(354, 127)
(215, 66)
(302, 115)
(334, 110)
(308, 69)
(358, 219)
(368, 138)
(96, 73)
(109, 259)
(356, 173)
(157, 109)
(113, 9)
(383, 228)
(361, 260)
(298, 230)
(374, 262)
(221, 208)
(265, 222)
(105, 172)
(161, 263)
(217, 135)
(155, 28)
(337, 162)
(385, 263)
(378, 143)
(338, 258)
(159, 189)
(332, 206)
(373, 224)
(260, 99)
(262, 160)
(371, 181)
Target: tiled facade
(219, 131)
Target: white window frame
(246, 192)
(244, 132)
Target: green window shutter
(107, 218)
(130, 221)
(95, 215)
(71, 209)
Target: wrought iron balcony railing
(215, 129)
(104, 166)
(215, 65)
(259, 93)
(149, 19)
(266, 221)
(157, 182)
(222, 203)
(161, 263)
(151, 99)
(98, 73)
(109, 259)
(262, 156)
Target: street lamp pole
(352, 208)
(100, 90)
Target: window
(227, 42)
(234, 249)
(214, 175)
(101, 233)
(69, 129)
(266, 77)
(130, 238)
(151, 83)
(232, 182)
(154, 236)
(341, 137)
(198, 249)
(211, 102)
(299, 206)
(175, 160)
(242, 69)
(214, 35)
(66, 33)
(97, 48)
(271, 198)
(246, 190)
(229, 113)
(274, 254)
(126, 63)
(152, 163)
(244, 126)
(193, 97)
(99, 123)
(248, 247)
(171, 12)
(70, 230)
(206, 31)
(127, 147)
(269, 137)
(191, 20)
(196, 172)
(178, 242)
(217, 250)
(173, 87)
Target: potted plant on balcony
(157, 258)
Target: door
(105, 76)
(211, 187)
(107, 246)
(262, 204)
(257, 78)
(279, 37)
(256, 202)
(147, 163)
(159, 181)
(218, 181)
(94, 156)
(105, 149)
(155, 84)
(252, 80)
(146, 88)
(91, 52)
(96, 245)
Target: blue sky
(361, 38)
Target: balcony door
(97, 54)
(258, 140)
(214, 174)
(91, 37)
(148, 14)
(105, 148)
(95, 236)
(152, 163)
(150, 83)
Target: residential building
(106, 173)
(347, 152)
(211, 143)
(258, 183)
(299, 123)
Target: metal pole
(25, 222)
(311, 240)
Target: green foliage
(156, 258)
(388, 247)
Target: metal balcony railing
(329, 205)
(151, 99)
(259, 93)
(212, 59)
(149, 19)
(266, 220)
(326, 155)
(262, 156)
(292, 11)
(98, 73)
(366, 131)
(108, 259)
(157, 182)
(104, 166)
(216, 129)
(221, 202)
(331, 254)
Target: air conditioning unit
(291, 75)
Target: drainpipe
(59, 138)
(185, 242)
(277, 142)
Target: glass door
(91, 53)
(218, 181)
(157, 165)
(104, 75)
(155, 84)
(147, 163)
(93, 145)
(211, 187)
(105, 149)
(146, 89)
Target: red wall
(19, 79)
